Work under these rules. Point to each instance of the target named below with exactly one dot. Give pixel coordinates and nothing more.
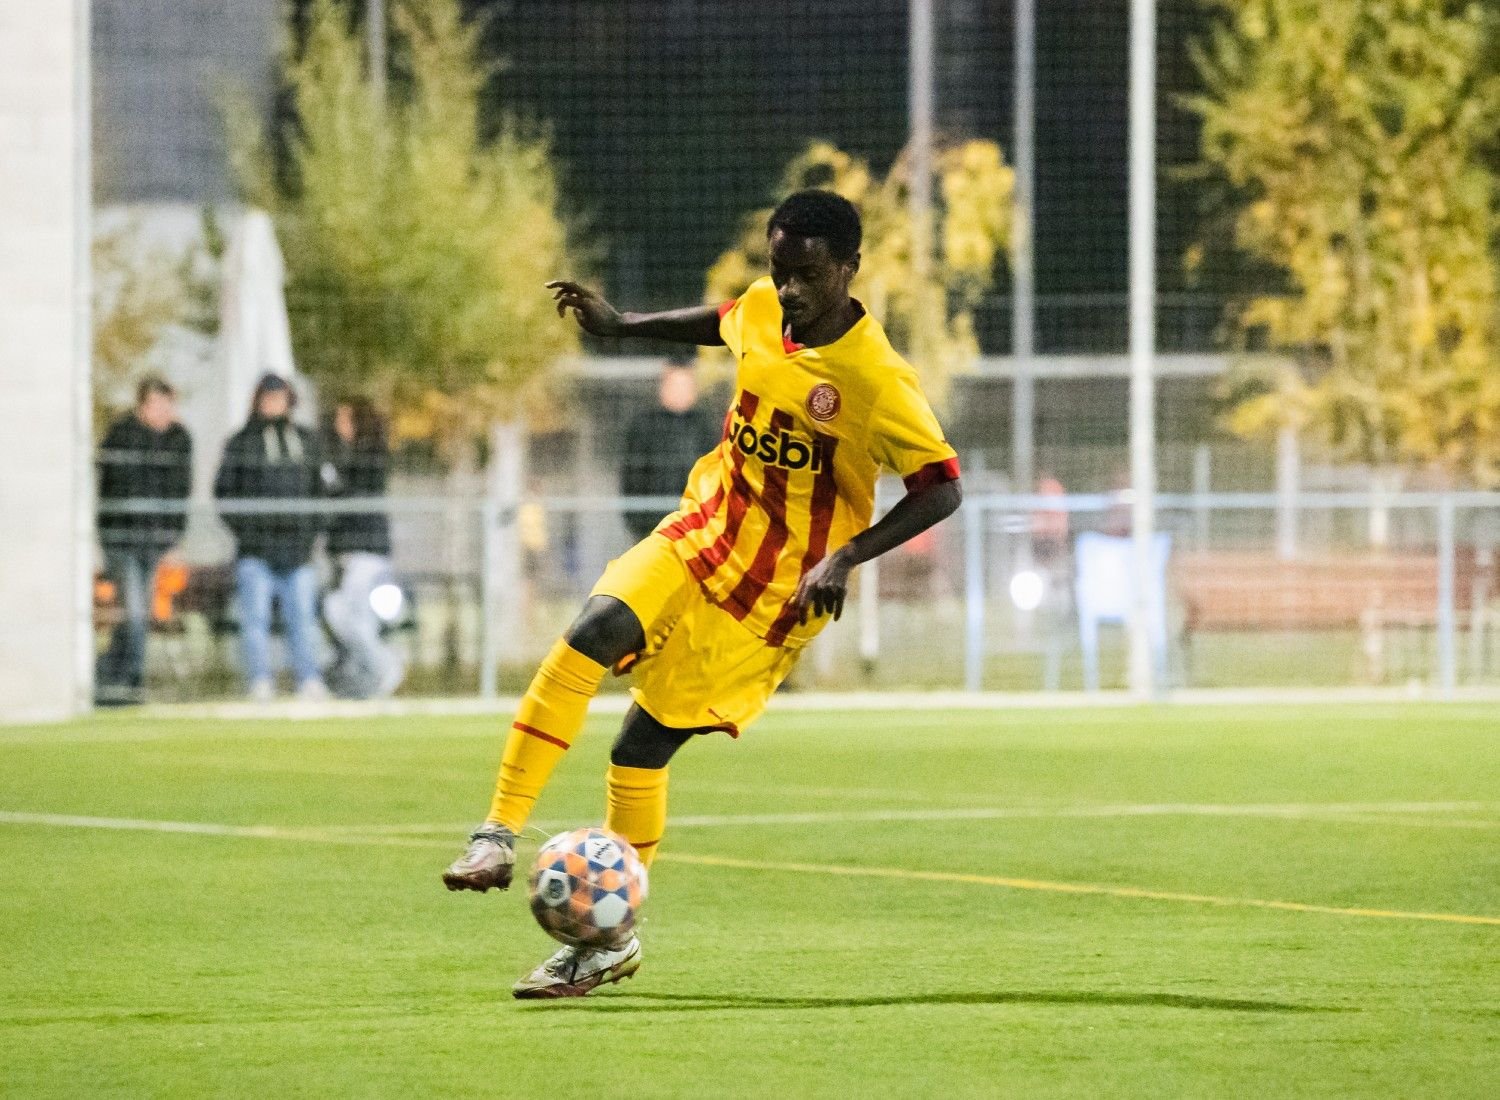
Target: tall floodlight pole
(375, 45)
(919, 152)
(919, 97)
(1143, 340)
(1023, 276)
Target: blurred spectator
(1049, 526)
(663, 443)
(272, 459)
(146, 456)
(1119, 521)
(356, 464)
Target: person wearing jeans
(146, 456)
(295, 591)
(120, 672)
(356, 464)
(272, 460)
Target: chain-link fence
(647, 139)
(1014, 594)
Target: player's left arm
(826, 584)
(905, 438)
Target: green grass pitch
(299, 942)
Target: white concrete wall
(45, 471)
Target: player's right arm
(693, 325)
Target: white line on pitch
(204, 828)
(1359, 813)
(292, 767)
(1362, 813)
(271, 832)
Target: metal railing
(1189, 514)
(961, 623)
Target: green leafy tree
(417, 233)
(1356, 142)
(971, 228)
(138, 293)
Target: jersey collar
(791, 347)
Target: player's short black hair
(818, 213)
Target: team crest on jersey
(823, 402)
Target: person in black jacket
(146, 457)
(272, 459)
(356, 464)
(663, 443)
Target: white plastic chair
(1104, 592)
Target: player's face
(809, 281)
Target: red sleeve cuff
(934, 473)
(726, 307)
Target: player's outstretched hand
(593, 314)
(823, 589)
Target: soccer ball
(587, 887)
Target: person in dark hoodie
(663, 443)
(272, 459)
(146, 456)
(356, 460)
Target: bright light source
(387, 600)
(1027, 589)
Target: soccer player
(709, 612)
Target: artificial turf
(322, 957)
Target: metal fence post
(1447, 666)
(489, 592)
(1202, 484)
(869, 614)
(974, 517)
(869, 603)
(1288, 480)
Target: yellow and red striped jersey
(794, 477)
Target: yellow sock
(548, 719)
(637, 807)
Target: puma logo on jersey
(777, 448)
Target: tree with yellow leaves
(1357, 140)
(972, 227)
(416, 246)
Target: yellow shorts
(700, 667)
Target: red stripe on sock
(540, 735)
(756, 579)
(825, 496)
(646, 844)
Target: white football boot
(490, 860)
(574, 971)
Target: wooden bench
(1370, 593)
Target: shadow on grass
(727, 1002)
